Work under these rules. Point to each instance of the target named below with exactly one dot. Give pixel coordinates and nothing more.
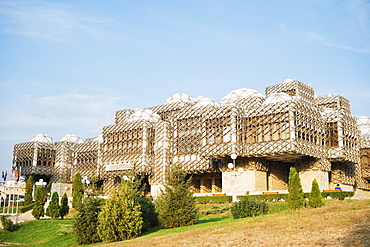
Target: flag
(5, 175)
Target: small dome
(178, 97)
(364, 129)
(70, 138)
(241, 93)
(277, 97)
(363, 120)
(286, 81)
(330, 95)
(42, 138)
(144, 114)
(99, 139)
(204, 101)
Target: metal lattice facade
(290, 126)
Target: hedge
(341, 195)
(26, 208)
(212, 199)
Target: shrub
(38, 208)
(340, 195)
(265, 197)
(120, 218)
(85, 222)
(28, 193)
(64, 208)
(176, 205)
(216, 210)
(315, 199)
(148, 213)
(53, 210)
(8, 225)
(212, 199)
(296, 196)
(248, 208)
(77, 190)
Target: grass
(40, 233)
(338, 223)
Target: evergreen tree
(85, 222)
(53, 210)
(315, 200)
(120, 217)
(64, 208)
(28, 193)
(77, 191)
(175, 205)
(38, 208)
(296, 196)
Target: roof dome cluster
(277, 97)
(70, 138)
(144, 114)
(238, 94)
(44, 138)
(179, 97)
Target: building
(245, 143)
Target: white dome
(330, 95)
(178, 97)
(144, 114)
(99, 138)
(277, 97)
(70, 138)
(204, 101)
(241, 93)
(286, 81)
(42, 138)
(365, 130)
(363, 120)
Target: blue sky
(67, 66)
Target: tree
(77, 191)
(53, 210)
(28, 193)
(38, 208)
(296, 196)
(315, 200)
(175, 205)
(120, 218)
(85, 222)
(64, 208)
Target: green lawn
(40, 233)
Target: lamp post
(232, 166)
(86, 181)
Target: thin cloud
(48, 21)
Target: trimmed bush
(248, 208)
(26, 208)
(38, 208)
(53, 210)
(296, 196)
(212, 199)
(216, 210)
(265, 197)
(340, 195)
(64, 208)
(28, 193)
(315, 199)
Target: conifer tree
(85, 222)
(120, 218)
(64, 208)
(77, 190)
(53, 210)
(38, 208)
(175, 205)
(28, 193)
(296, 196)
(315, 200)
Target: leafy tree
(315, 200)
(53, 210)
(85, 222)
(28, 193)
(175, 205)
(296, 196)
(77, 190)
(38, 208)
(64, 208)
(120, 217)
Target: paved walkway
(27, 216)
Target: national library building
(244, 144)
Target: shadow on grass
(213, 219)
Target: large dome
(277, 97)
(204, 101)
(42, 138)
(363, 120)
(70, 138)
(144, 114)
(178, 97)
(238, 94)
